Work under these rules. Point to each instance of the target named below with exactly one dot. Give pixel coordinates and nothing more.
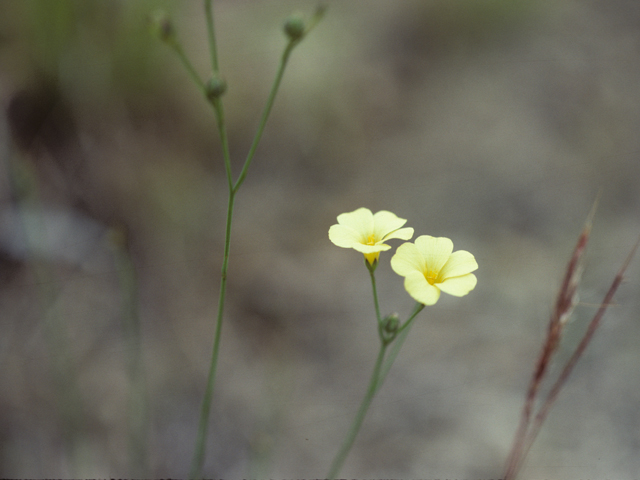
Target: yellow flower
(365, 232)
(429, 267)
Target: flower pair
(429, 265)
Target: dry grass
(530, 425)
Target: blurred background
(494, 123)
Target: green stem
(188, 66)
(362, 411)
(208, 9)
(372, 270)
(217, 102)
(378, 376)
(224, 140)
(201, 437)
(198, 457)
(265, 113)
(399, 339)
(205, 409)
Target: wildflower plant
(429, 266)
(295, 29)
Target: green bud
(391, 323)
(294, 27)
(162, 27)
(216, 87)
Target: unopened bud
(162, 26)
(216, 87)
(294, 27)
(391, 323)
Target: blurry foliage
(80, 72)
(90, 50)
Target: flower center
(371, 240)
(431, 276)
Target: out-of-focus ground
(492, 123)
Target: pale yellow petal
(402, 234)
(344, 236)
(459, 286)
(380, 247)
(385, 222)
(360, 220)
(420, 290)
(407, 260)
(459, 263)
(435, 250)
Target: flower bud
(216, 87)
(294, 27)
(391, 323)
(162, 26)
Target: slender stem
(205, 409)
(217, 102)
(224, 140)
(198, 457)
(208, 9)
(201, 437)
(347, 443)
(399, 339)
(380, 371)
(265, 113)
(372, 269)
(407, 325)
(362, 411)
(188, 66)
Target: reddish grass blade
(529, 428)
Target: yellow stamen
(431, 276)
